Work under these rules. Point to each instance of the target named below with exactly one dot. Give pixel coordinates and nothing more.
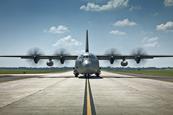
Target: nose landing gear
(97, 74)
(87, 75)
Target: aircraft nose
(87, 67)
(86, 63)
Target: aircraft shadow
(54, 77)
(90, 77)
(117, 77)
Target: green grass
(157, 72)
(31, 71)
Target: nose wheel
(97, 74)
(87, 75)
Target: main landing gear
(87, 75)
(76, 74)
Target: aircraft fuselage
(87, 64)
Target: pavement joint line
(32, 94)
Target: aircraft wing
(137, 58)
(58, 57)
(118, 57)
(37, 57)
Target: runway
(63, 94)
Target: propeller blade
(62, 53)
(138, 53)
(35, 53)
(111, 52)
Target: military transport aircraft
(87, 63)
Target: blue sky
(55, 24)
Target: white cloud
(125, 23)
(111, 4)
(117, 32)
(168, 3)
(132, 8)
(58, 29)
(165, 27)
(151, 42)
(67, 41)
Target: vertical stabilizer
(87, 44)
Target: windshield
(86, 56)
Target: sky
(51, 25)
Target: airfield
(63, 94)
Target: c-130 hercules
(87, 63)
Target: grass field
(155, 72)
(31, 71)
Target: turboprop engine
(50, 63)
(124, 63)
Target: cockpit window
(86, 56)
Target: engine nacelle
(62, 60)
(50, 63)
(138, 60)
(124, 63)
(112, 60)
(36, 59)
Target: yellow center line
(89, 112)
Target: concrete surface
(63, 94)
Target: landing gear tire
(87, 75)
(76, 74)
(97, 74)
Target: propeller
(111, 53)
(138, 53)
(62, 53)
(35, 53)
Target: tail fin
(87, 44)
